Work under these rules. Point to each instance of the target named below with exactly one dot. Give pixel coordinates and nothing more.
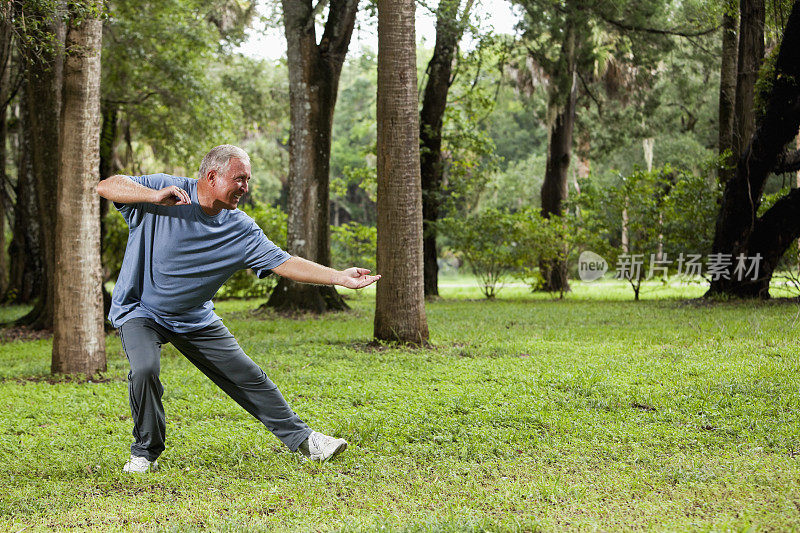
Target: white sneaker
(319, 447)
(139, 465)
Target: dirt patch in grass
(59, 379)
(23, 333)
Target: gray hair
(219, 157)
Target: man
(186, 238)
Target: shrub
(558, 239)
(665, 209)
(489, 242)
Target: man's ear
(211, 176)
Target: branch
(140, 100)
(700, 47)
(318, 8)
(15, 86)
(589, 92)
(644, 29)
(339, 28)
(787, 162)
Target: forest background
(179, 84)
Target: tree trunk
(562, 100)
(750, 56)
(314, 71)
(78, 339)
(25, 268)
(400, 300)
(5, 90)
(3, 178)
(449, 29)
(727, 85)
(108, 167)
(738, 229)
(44, 81)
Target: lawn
(528, 413)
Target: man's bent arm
(305, 271)
(124, 190)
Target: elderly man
(186, 238)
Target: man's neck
(205, 200)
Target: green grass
(591, 413)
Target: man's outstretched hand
(356, 278)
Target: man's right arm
(124, 190)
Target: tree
(740, 231)
(31, 39)
(449, 28)
(568, 43)
(78, 336)
(727, 82)
(162, 91)
(400, 300)
(6, 39)
(25, 266)
(750, 55)
(161, 88)
(314, 71)
(43, 97)
(489, 242)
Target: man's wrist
(336, 277)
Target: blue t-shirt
(178, 257)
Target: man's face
(232, 184)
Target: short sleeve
(132, 212)
(261, 254)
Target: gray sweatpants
(216, 353)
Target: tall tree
(568, 42)
(750, 56)
(449, 29)
(727, 82)
(43, 90)
(314, 71)
(561, 103)
(400, 301)
(740, 231)
(6, 34)
(78, 339)
(25, 267)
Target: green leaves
(166, 76)
(353, 244)
(487, 241)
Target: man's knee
(145, 373)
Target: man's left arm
(305, 271)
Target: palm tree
(400, 302)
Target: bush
(558, 239)
(665, 208)
(489, 243)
